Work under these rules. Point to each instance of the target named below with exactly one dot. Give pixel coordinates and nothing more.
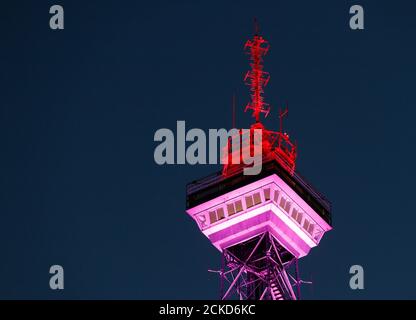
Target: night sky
(79, 108)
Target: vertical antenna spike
(233, 106)
(256, 27)
(282, 114)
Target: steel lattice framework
(268, 272)
(256, 78)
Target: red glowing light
(275, 144)
(256, 78)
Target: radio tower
(261, 224)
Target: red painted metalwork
(275, 144)
(256, 78)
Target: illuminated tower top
(262, 224)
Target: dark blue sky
(78, 110)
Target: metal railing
(217, 177)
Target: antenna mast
(256, 78)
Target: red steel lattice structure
(275, 144)
(256, 78)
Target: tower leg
(257, 270)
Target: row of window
(296, 214)
(255, 199)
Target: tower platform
(232, 210)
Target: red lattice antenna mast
(256, 78)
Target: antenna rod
(281, 115)
(233, 112)
(256, 27)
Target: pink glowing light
(266, 216)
